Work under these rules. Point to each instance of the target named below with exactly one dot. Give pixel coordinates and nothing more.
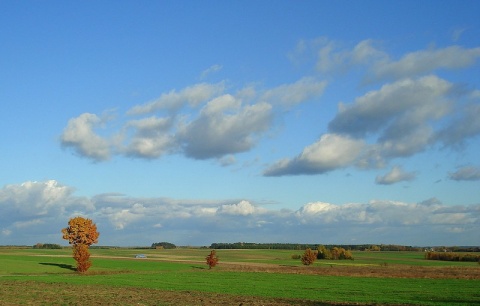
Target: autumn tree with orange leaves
(81, 233)
(308, 257)
(212, 259)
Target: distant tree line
(163, 245)
(252, 245)
(296, 246)
(47, 246)
(450, 256)
(461, 249)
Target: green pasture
(184, 270)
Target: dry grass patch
(38, 293)
(393, 271)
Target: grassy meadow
(251, 277)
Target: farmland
(248, 277)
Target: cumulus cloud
(411, 111)
(295, 93)
(467, 173)
(80, 135)
(152, 137)
(394, 109)
(462, 128)
(376, 213)
(128, 221)
(37, 208)
(224, 126)
(243, 208)
(397, 174)
(426, 61)
(34, 199)
(173, 100)
(330, 152)
(409, 115)
(199, 121)
(403, 118)
(333, 56)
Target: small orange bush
(212, 259)
(309, 257)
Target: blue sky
(222, 121)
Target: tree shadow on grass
(63, 266)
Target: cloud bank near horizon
(34, 212)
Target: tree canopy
(81, 231)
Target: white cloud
(412, 114)
(378, 221)
(398, 106)
(210, 70)
(120, 219)
(467, 173)
(462, 128)
(292, 94)
(35, 199)
(397, 174)
(330, 152)
(224, 127)
(152, 137)
(388, 214)
(426, 61)
(333, 57)
(216, 125)
(80, 135)
(403, 117)
(173, 100)
(243, 208)
(323, 212)
(227, 160)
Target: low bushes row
(450, 256)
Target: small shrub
(309, 257)
(212, 259)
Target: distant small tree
(81, 233)
(163, 245)
(309, 257)
(212, 259)
(47, 246)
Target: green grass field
(242, 275)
